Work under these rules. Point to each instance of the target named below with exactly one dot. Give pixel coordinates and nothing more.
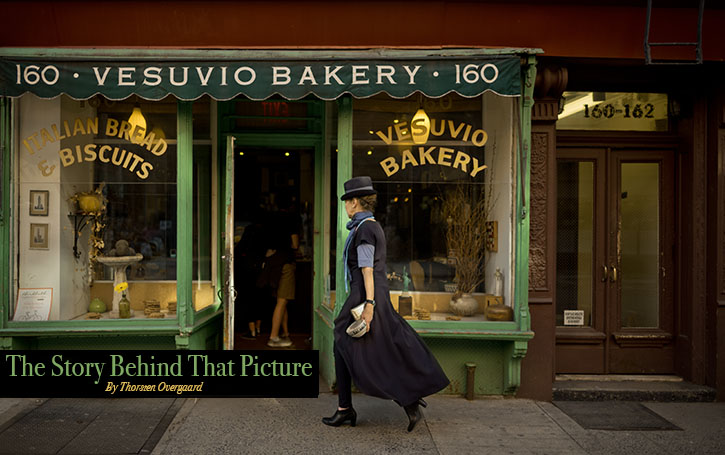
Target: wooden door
(640, 248)
(615, 238)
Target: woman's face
(352, 206)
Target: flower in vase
(120, 287)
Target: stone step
(629, 388)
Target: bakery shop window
(443, 171)
(96, 208)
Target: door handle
(605, 273)
(613, 277)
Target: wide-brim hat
(358, 187)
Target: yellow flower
(120, 287)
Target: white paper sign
(33, 304)
(573, 317)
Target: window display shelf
(137, 315)
(444, 316)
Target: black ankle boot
(414, 415)
(341, 417)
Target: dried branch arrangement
(467, 207)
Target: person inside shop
(389, 360)
(248, 258)
(278, 268)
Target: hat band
(360, 189)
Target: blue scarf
(352, 225)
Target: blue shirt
(365, 255)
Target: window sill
(140, 326)
(468, 328)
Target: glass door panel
(640, 244)
(575, 243)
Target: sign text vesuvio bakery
(260, 79)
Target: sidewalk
(452, 425)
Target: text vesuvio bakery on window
(443, 170)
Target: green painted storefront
(496, 348)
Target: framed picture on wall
(39, 236)
(39, 203)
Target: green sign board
(260, 79)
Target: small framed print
(38, 236)
(39, 203)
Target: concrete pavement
(452, 425)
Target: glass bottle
(405, 301)
(124, 308)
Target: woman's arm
(369, 281)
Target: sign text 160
(32, 74)
(471, 73)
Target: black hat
(358, 187)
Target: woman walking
(390, 360)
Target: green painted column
(523, 208)
(344, 173)
(184, 216)
(516, 350)
(318, 238)
(5, 247)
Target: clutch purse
(357, 328)
(357, 311)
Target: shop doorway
(615, 272)
(275, 151)
(273, 196)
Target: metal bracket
(698, 45)
(79, 222)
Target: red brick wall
(571, 29)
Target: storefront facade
(160, 227)
(550, 150)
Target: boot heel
(341, 417)
(414, 415)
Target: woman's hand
(367, 315)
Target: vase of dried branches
(466, 207)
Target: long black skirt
(391, 361)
